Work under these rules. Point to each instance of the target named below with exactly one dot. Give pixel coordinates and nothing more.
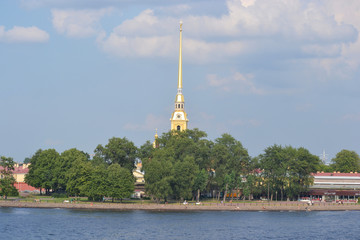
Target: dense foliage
(346, 161)
(74, 173)
(185, 165)
(286, 170)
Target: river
(34, 223)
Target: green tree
(159, 175)
(120, 182)
(230, 181)
(118, 150)
(171, 169)
(302, 164)
(66, 162)
(27, 160)
(274, 163)
(187, 143)
(96, 184)
(200, 183)
(250, 185)
(346, 161)
(78, 174)
(325, 168)
(7, 179)
(230, 161)
(146, 151)
(184, 177)
(44, 170)
(287, 170)
(250, 181)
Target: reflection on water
(27, 223)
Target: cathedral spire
(179, 119)
(180, 59)
(156, 141)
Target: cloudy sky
(76, 73)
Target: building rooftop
(18, 170)
(336, 174)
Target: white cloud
(238, 83)
(348, 13)
(352, 117)
(78, 23)
(247, 3)
(23, 34)
(321, 34)
(147, 35)
(137, 46)
(294, 29)
(294, 19)
(195, 51)
(324, 51)
(143, 36)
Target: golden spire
(180, 59)
(179, 118)
(156, 141)
(179, 96)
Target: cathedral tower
(179, 119)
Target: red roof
(336, 174)
(18, 170)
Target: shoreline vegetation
(184, 165)
(255, 206)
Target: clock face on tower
(178, 116)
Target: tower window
(178, 128)
(182, 105)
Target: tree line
(185, 165)
(108, 173)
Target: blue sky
(76, 73)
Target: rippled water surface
(27, 223)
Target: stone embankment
(260, 206)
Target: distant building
(139, 181)
(20, 170)
(138, 174)
(335, 186)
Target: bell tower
(179, 119)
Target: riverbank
(260, 206)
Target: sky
(75, 73)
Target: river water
(35, 223)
